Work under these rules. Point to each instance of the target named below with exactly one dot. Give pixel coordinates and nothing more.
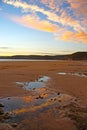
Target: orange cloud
(77, 22)
(34, 22)
(76, 37)
(64, 19)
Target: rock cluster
(3, 115)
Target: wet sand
(48, 112)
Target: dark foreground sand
(72, 116)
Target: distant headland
(74, 56)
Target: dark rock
(39, 97)
(8, 98)
(58, 93)
(1, 117)
(75, 100)
(1, 105)
(59, 100)
(6, 116)
(1, 111)
(14, 125)
(54, 99)
(41, 80)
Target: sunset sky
(43, 26)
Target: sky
(42, 27)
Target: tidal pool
(41, 82)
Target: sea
(8, 60)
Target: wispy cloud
(36, 23)
(79, 6)
(65, 18)
(52, 4)
(70, 36)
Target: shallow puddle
(74, 74)
(17, 107)
(41, 82)
(33, 85)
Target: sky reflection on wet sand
(41, 98)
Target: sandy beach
(60, 105)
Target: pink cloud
(52, 4)
(79, 6)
